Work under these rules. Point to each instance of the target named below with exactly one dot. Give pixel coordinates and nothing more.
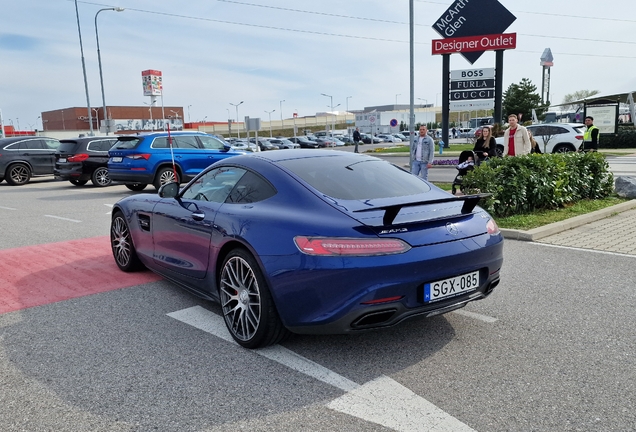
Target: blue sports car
(317, 241)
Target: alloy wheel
(240, 298)
(100, 177)
(120, 241)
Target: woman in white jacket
(516, 141)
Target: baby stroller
(466, 163)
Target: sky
(285, 54)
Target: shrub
(625, 138)
(523, 184)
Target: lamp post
(270, 121)
(189, 118)
(238, 133)
(96, 116)
(333, 126)
(347, 113)
(36, 122)
(17, 120)
(152, 124)
(396, 96)
(88, 101)
(99, 61)
(425, 100)
(281, 114)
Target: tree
(521, 99)
(577, 95)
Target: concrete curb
(557, 227)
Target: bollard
(441, 146)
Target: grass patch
(444, 186)
(544, 217)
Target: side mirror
(169, 190)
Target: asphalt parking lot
(552, 349)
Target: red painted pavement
(37, 275)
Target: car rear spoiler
(391, 211)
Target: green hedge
(626, 138)
(523, 184)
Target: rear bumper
(71, 173)
(336, 296)
(390, 314)
(142, 177)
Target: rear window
(100, 145)
(126, 143)
(68, 146)
(351, 178)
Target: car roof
(91, 138)
(4, 141)
(163, 133)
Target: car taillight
(492, 227)
(78, 158)
(325, 246)
(579, 137)
(139, 156)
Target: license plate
(61, 160)
(117, 159)
(451, 287)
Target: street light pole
(270, 121)
(152, 124)
(88, 101)
(281, 114)
(425, 100)
(330, 98)
(238, 133)
(189, 118)
(99, 61)
(96, 116)
(399, 94)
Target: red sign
(475, 43)
(150, 72)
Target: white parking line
(382, 401)
(63, 218)
(484, 318)
(7, 208)
(582, 249)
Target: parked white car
(390, 138)
(559, 137)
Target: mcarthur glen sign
(472, 18)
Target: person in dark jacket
(356, 139)
(485, 146)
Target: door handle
(198, 216)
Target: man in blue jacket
(422, 153)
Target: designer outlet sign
(466, 19)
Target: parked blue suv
(140, 160)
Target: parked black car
(26, 156)
(304, 142)
(79, 160)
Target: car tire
(100, 177)
(18, 174)
(499, 151)
(78, 182)
(166, 175)
(563, 148)
(248, 308)
(122, 246)
(136, 187)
